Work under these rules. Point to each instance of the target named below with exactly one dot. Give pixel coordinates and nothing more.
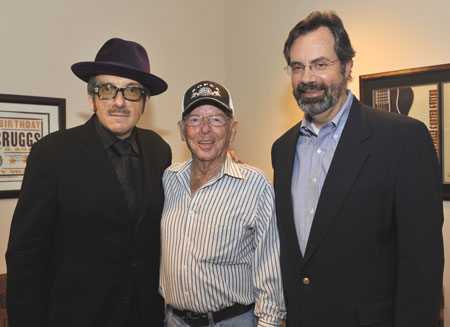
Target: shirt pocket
(220, 245)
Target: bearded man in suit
(84, 244)
(358, 197)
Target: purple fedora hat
(121, 58)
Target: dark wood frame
(60, 111)
(3, 314)
(411, 77)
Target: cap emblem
(205, 89)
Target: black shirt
(108, 139)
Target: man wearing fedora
(84, 244)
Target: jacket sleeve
(419, 218)
(28, 252)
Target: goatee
(317, 105)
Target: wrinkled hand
(235, 157)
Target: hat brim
(205, 100)
(85, 70)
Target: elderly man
(84, 241)
(358, 197)
(220, 247)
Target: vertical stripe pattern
(221, 246)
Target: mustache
(121, 111)
(309, 87)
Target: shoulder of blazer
(283, 139)
(389, 123)
(151, 142)
(64, 140)
(284, 147)
(147, 135)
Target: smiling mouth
(311, 93)
(206, 142)
(310, 89)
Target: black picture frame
(23, 121)
(422, 93)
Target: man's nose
(205, 125)
(119, 99)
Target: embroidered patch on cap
(207, 92)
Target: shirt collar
(108, 138)
(306, 125)
(229, 168)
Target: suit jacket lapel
(99, 164)
(348, 159)
(149, 175)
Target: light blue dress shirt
(315, 150)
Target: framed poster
(23, 121)
(421, 93)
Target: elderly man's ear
(232, 153)
(181, 129)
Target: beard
(317, 105)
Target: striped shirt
(220, 246)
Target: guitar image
(397, 100)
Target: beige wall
(235, 42)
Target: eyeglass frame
(290, 71)
(209, 120)
(96, 90)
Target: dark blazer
(74, 256)
(375, 252)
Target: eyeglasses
(215, 120)
(316, 67)
(108, 91)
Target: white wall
(235, 42)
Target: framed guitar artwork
(422, 93)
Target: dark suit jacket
(74, 256)
(375, 252)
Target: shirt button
(335, 136)
(314, 180)
(319, 151)
(306, 281)
(186, 293)
(311, 211)
(184, 267)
